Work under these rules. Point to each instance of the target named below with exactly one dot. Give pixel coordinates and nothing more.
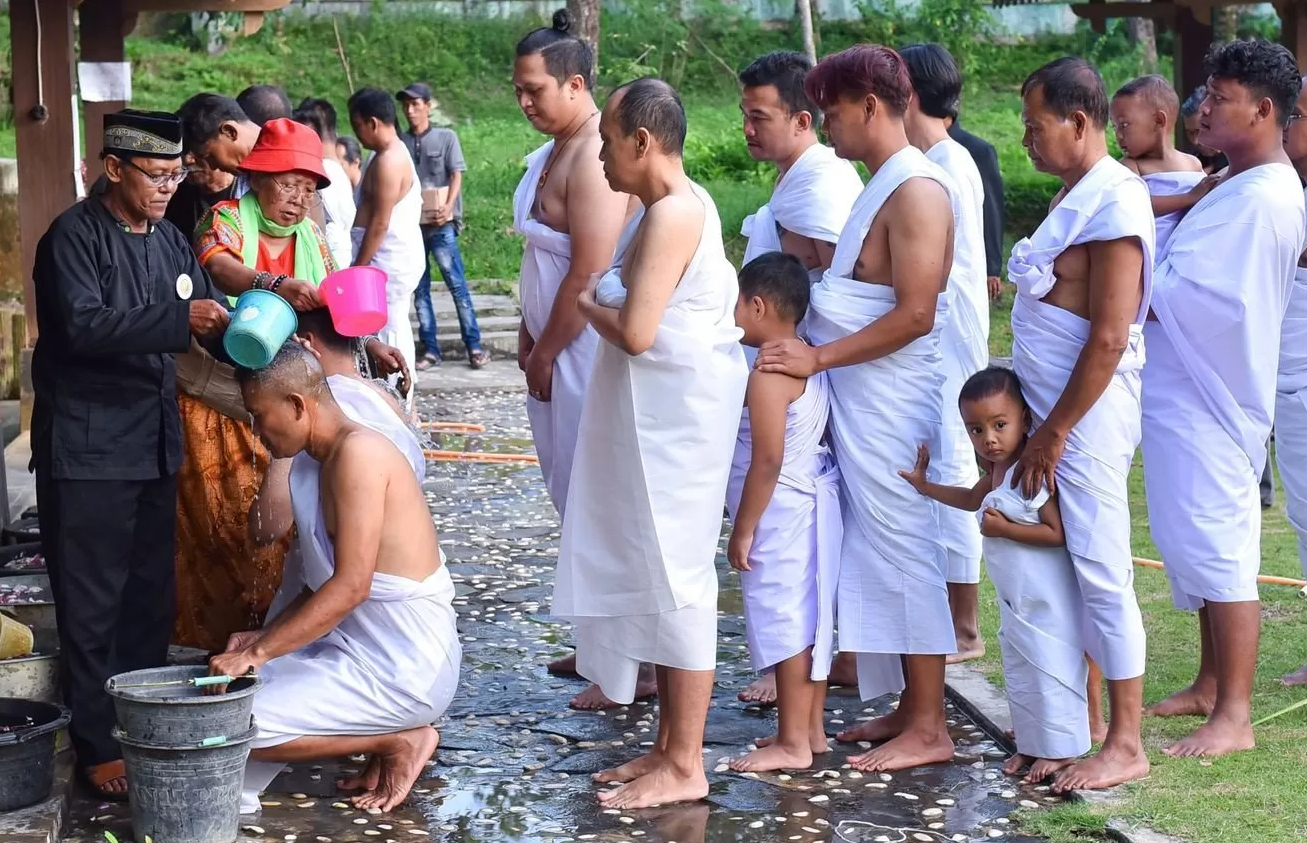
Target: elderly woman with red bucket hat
(263, 241)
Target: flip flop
(478, 359)
(100, 775)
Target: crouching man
(367, 657)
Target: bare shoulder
(361, 452)
(1132, 165)
(774, 387)
(674, 215)
(920, 196)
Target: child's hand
(737, 550)
(917, 476)
(994, 524)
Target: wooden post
(1293, 29)
(100, 29)
(43, 123)
(1192, 40)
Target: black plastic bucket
(22, 531)
(178, 714)
(27, 752)
(186, 794)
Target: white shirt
(338, 207)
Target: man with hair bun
(644, 513)
(571, 220)
(875, 320)
(1220, 295)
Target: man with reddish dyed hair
(875, 320)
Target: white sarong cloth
(1170, 184)
(813, 199)
(636, 571)
(1209, 387)
(1109, 203)
(403, 257)
(965, 346)
(1044, 667)
(545, 261)
(338, 208)
(392, 664)
(789, 589)
(1291, 411)
(892, 597)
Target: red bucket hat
(285, 146)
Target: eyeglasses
(161, 179)
(1296, 117)
(305, 197)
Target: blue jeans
(442, 243)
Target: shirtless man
(367, 657)
(636, 572)
(571, 220)
(875, 320)
(387, 229)
(1083, 282)
(815, 189)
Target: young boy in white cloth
(876, 319)
(936, 89)
(1044, 667)
(1144, 112)
(655, 443)
(1083, 283)
(1291, 386)
(784, 501)
(1220, 296)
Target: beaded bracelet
(276, 283)
(261, 280)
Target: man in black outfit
(986, 158)
(118, 292)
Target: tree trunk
(1143, 34)
(805, 25)
(586, 15)
(1225, 23)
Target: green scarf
(309, 265)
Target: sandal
(100, 775)
(427, 361)
(478, 359)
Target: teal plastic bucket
(262, 322)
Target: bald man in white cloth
(1082, 292)
(636, 571)
(876, 318)
(936, 88)
(571, 220)
(1220, 295)
(1291, 387)
(815, 190)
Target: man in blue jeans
(440, 166)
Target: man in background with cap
(439, 161)
(118, 293)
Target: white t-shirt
(338, 207)
(969, 244)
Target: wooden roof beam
(1099, 13)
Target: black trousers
(108, 545)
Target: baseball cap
(416, 91)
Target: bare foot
(1109, 768)
(880, 729)
(1293, 680)
(1191, 702)
(400, 768)
(762, 690)
(1014, 765)
(969, 649)
(593, 699)
(631, 770)
(844, 670)
(774, 756)
(367, 781)
(1045, 768)
(817, 744)
(910, 749)
(1214, 738)
(662, 785)
(566, 666)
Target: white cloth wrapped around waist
(1044, 667)
(403, 261)
(1170, 184)
(789, 591)
(1293, 337)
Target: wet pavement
(514, 762)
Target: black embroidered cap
(149, 134)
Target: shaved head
(1155, 92)
(284, 397)
(292, 370)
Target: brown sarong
(224, 584)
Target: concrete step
(447, 324)
(499, 344)
(485, 305)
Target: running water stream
(514, 763)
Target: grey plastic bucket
(186, 795)
(27, 752)
(176, 715)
